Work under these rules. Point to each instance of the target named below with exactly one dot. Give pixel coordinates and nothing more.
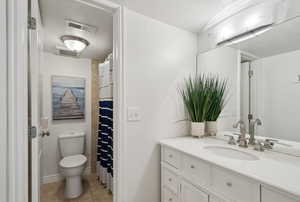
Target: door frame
(17, 124)
(17, 104)
(3, 102)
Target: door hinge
(31, 23)
(250, 73)
(32, 132)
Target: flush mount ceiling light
(74, 43)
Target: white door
(190, 193)
(35, 49)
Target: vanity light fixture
(253, 21)
(227, 32)
(246, 35)
(74, 43)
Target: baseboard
(58, 177)
(52, 178)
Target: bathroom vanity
(210, 170)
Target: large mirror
(263, 73)
(270, 80)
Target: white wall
(224, 62)
(63, 66)
(277, 98)
(157, 58)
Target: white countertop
(278, 170)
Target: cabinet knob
(229, 184)
(192, 166)
(170, 179)
(170, 199)
(170, 156)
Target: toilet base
(73, 187)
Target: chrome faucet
(242, 127)
(269, 143)
(262, 145)
(242, 137)
(252, 124)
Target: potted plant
(196, 103)
(216, 92)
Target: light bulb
(75, 45)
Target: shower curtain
(105, 128)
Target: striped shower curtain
(105, 143)
(105, 128)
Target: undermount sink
(231, 153)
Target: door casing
(17, 105)
(3, 102)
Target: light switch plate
(133, 114)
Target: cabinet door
(268, 195)
(215, 199)
(169, 196)
(190, 193)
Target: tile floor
(93, 192)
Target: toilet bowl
(72, 168)
(73, 162)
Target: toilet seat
(73, 161)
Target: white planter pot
(198, 129)
(211, 128)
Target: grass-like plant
(194, 94)
(216, 93)
(204, 97)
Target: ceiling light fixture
(74, 43)
(246, 35)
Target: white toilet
(73, 162)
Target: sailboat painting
(68, 98)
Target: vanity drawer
(196, 170)
(235, 187)
(172, 157)
(170, 180)
(169, 196)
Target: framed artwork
(68, 98)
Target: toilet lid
(73, 161)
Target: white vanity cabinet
(234, 186)
(215, 199)
(269, 195)
(190, 193)
(190, 179)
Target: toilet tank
(71, 143)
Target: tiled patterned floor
(93, 192)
